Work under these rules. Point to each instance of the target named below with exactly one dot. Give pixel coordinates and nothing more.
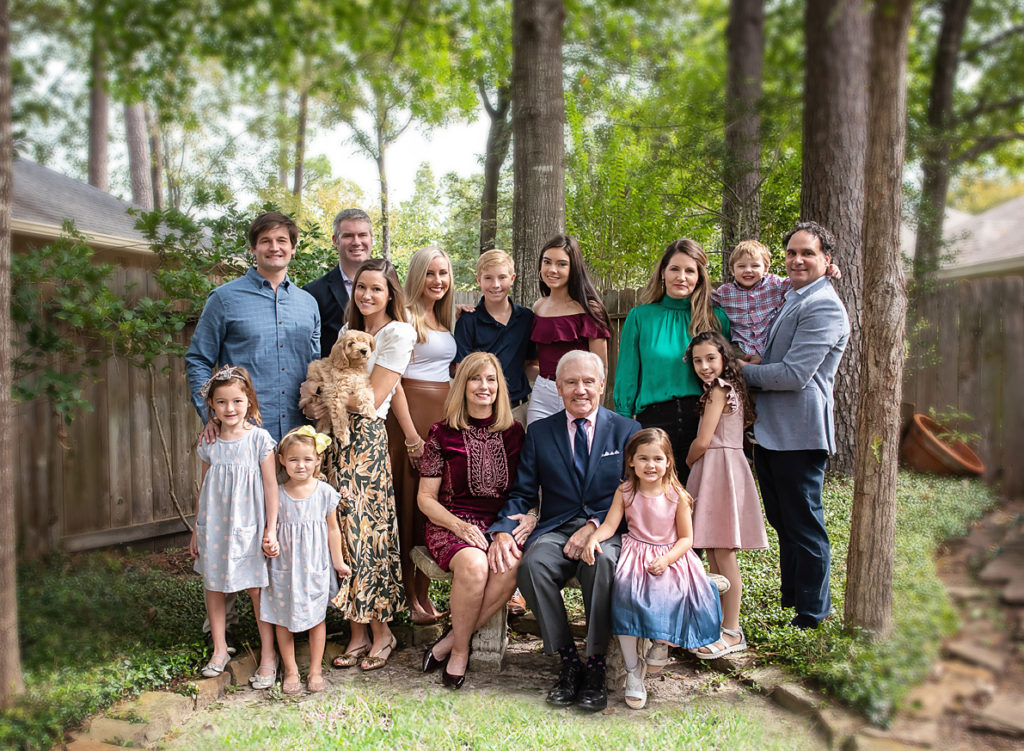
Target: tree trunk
(741, 199)
(385, 225)
(869, 563)
(538, 117)
(300, 146)
(156, 159)
(281, 118)
(832, 184)
(99, 124)
(935, 162)
(11, 681)
(139, 163)
(499, 138)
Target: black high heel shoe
(452, 681)
(431, 663)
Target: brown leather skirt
(426, 406)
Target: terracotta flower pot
(924, 451)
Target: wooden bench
(491, 641)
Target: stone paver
(1004, 714)
(974, 654)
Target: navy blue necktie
(580, 450)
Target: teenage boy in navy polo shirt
(499, 326)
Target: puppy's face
(358, 346)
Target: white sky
(456, 148)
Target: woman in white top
(418, 404)
(372, 595)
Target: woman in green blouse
(652, 382)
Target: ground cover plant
(873, 678)
(99, 627)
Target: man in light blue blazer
(574, 458)
(795, 430)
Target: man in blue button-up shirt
(263, 322)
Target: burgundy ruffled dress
(557, 335)
(477, 469)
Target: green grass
(97, 628)
(374, 717)
(873, 678)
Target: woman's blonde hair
(288, 440)
(701, 316)
(455, 410)
(416, 282)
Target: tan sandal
(316, 685)
(350, 659)
(379, 660)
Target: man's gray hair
(579, 354)
(349, 215)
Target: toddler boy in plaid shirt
(754, 297)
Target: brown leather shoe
(517, 605)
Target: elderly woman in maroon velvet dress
(467, 470)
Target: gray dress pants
(542, 574)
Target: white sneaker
(636, 692)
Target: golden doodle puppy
(337, 379)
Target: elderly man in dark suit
(574, 458)
(353, 239)
(795, 430)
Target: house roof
(987, 244)
(43, 199)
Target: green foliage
(94, 630)
(949, 421)
(58, 294)
(872, 677)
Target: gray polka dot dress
(232, 514)
(302, 579)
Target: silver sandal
(262, 682)
(728, 649)
(213, 669)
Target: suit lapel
(337, 286)
(561, 440)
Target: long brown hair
(579, 286)
(702, 318)
(240, 376)
(732, 373)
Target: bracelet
(534, 514)
(410, 447)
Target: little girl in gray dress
(237, 504)
(301, 577)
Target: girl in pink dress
(661, 591)
(727, 516)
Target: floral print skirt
(361, 472)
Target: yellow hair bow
(319, 439)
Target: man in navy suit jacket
(795, 430)
(574, 459)
(353, 238)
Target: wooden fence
(967, 354)
(105, 480)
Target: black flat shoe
(453, 682)
(431, 663)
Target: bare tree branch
(983, 108)
(970, 54)
(984, 145)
